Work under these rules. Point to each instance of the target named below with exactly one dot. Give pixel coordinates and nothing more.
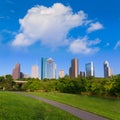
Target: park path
(74, 111)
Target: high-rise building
(90, 69)
(61, 73)
(16, 72)
(73, 71)
(48, 68)
(43, 68)
(35, 73)
(107, 70)
(51, 68)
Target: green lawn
(18, 107)
(109, 108)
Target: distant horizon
(60, 29)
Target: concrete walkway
(74, 111)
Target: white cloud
(84, 46)
(49, 25)
(94, 27)
(117, 45)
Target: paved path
(75, 111)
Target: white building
(107, 70)
(61, 73)
(35, 73)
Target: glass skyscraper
(43, 68)
(107, 70)
(90, 69)
(48, 68)
(51, 68)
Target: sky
(60, 29)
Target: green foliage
(31, 85)
(115, 88)
(6, 82)
(71, 85)
(89, 85)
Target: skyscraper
(43, 68)
(107, 70)
(35, 71)
(48, 68)
(90, 69)
(51, 68)
(16, 72)
(73, 71)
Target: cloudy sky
(61, 29)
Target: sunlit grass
(109, 108)
(18, 107)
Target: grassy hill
(107, 107)
(17, 107)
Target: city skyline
(48, 70)
(60, 29)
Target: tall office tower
(16, 72)
(51, 69)
(107, 70)
(43, 68)
(90, 69)
(73, 71)
(35, 71)
(48, 68)
(61, 73)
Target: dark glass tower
(43, 68)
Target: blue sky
(62, 29)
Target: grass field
(109, 108)
(17, 107)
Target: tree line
(80, 85)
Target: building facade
(61, 74)
(73, 71)
(16, 72)
(43, 68)
(90, 69)
(107, 70)
(51, 69)
(35, 73)
(48, 68)
(82, 74)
